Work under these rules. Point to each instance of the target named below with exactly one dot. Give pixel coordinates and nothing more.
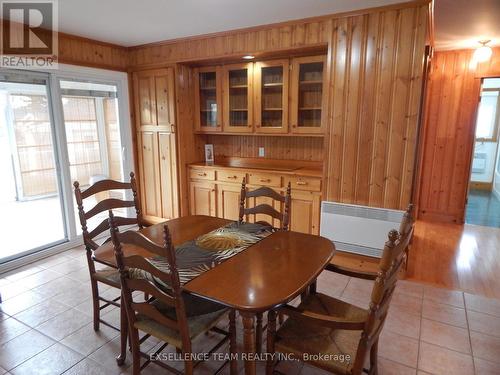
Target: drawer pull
(232, 177)
(301, 183)
(202, 174)
(265, 180)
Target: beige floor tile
(403, 323)
(3, 316)
(40, 313)
(410, 288)
(86, 340)
(358, 289)
(23, 347)
(440, 295)
(87, 307)
(57, 286)
(482, 304)
(54, 360)
(64, 324)
(75, 296)
(445, 335)
(90, 367)
(408, 303)
(21, 272)
(484, 367)
(441, 361)
(444, 313)
(52, 261)
(388, 367)
(69, 266)
(484, 323)
(10, 328)
(13, 289)
(485, 346)
(332, 284)
(107, 353)
(2, 371)
(21, 302)
(40, 278)
(82, 275)
(398, 348)
(363, 303)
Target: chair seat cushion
(201, 315)
(338, 346)
(109, 276)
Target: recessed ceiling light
(249, 57)
(484, 52)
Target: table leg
(249, 342)
(233, 364)
(271, 331)
(258, 333)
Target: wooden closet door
(168, 173)
(150, 174)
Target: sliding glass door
(31, 209)
(57, 128)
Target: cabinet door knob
(265, 180)
(202, 174)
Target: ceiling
(462, 23)
(134, 22)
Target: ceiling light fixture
(483, 53)
(249, 57)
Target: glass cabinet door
(238, 108)
(271, 90)
(307, 94)
(208, 99)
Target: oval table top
(269, 273)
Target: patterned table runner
(207, 251)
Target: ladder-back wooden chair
(106, 275)
(344, 332)
(407, 227)
(174, 317)
(266, 209)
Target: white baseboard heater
(358, 229)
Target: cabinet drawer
(304, 183)
(230, 176)
(264, 179)
(201, 174)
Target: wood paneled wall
(448, 139)
(375, 93)
(283, 148)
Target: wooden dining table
(266, 275)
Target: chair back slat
(106, 205)
(264, 208)
(265, 191)
(147, 286)
(105, 185)
(104, 225)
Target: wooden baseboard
(476, 185)
(440, 217)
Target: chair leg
(271, 333)
(95, 302)
(233, 364)
(120, 360)
(188, 365)
(136, 355)
(374, 358)
(258, 333)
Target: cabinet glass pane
(208, 99)
(272, 96)
(238, 97)
(310, 94)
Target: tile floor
(46, 326)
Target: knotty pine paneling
(452, 100)
(282, 148)
(375, 91)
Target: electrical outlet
(261, 152)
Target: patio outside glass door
(31, 209)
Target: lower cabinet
(210, 197)
(305, 212)
(202, 198)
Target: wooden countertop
(288, 167)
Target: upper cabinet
(208, 101)
(306, 97)
(155, 104)
(282, 96)
(271, 96)
(237, 93)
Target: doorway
(483, 203)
